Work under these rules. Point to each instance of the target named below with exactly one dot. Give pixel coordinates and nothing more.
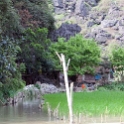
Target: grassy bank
(90, 103)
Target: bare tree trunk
(69, 91)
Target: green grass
(90, 103)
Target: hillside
(101, 20)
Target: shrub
(117, 59)
(114, 86)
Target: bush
(114, 86)
(117, 60)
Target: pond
(26, 111)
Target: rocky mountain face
(79, 7)
(65, 31)
(102, 20)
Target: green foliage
(10, 75)
(10, 29)
(117, 59)
(37, 86)
(9, 19)
(113, 86)
(84, 54)
(37, 13)
(34, 53)
(32, 49)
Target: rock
(48, 88)
(84, 6)
(114, 12)
(58, 3)
(97, 21)
(121, 29)
(116, 28)
(80, 7)
(90, 24)
(84, 9)
(120, 38)
(91, 2)
(31, 91)
(108, 23)
(90, 35)
(121, 23)
(101, 38)
(100, 35)
(65, 31)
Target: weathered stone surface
(100, 35)
(91, 2)
(121, 23)
(108, 23)
(114, 12)
(90, 24)
(58, 3)
(80, 7)
(65, 31)
(121, 29)
(84, 6)
(109, 20)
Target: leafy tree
(9, 20)
(34, 53)
(84, 54)
(10, 72)
(117, 59)
(34, 13)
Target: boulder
(80, 7)
(31, 91)
(121, 29)
(121, 22)
(58, 3)
(114, 12)
(48, 88)
(65, 31)
(108, 23)
(90, 23)
(100, 35)
(84, 6)
(91, 2)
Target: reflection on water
(24, 111)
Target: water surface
(26, 111)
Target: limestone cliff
(102, 20)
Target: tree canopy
(84, 54)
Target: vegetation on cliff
(15, 19)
